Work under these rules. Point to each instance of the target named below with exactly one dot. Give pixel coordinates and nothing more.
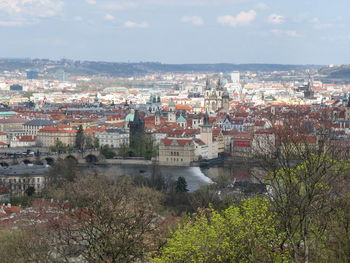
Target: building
(114, 138)
(12, 124)
(136, 129)
(49, 135)
(32, 74)
(4, 194)
(217, 98)
(180, 151)
(32, 127)
(206, 135)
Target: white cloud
(276, 19)
(22, 12)
(11, 23)
(109, 17)
(262, 6)
(317, 24)
(242, 19)
(91, 2)
(195, 20)
(33, 8)
(290, 33)
(131, 24)
(120, 5)
(78, 18)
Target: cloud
(290, 33)
(262, 6)
(195, 20)
(11, 23)
(131, 24)
(22, 12)
(34, 8)
(109, 17)
(91, 2)
(78, 18)
(276, 19)
(120, 5)
(242, 19)
(317, 24)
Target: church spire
(206, 119)
(207, 84)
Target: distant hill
(336, 73)
(131, 69)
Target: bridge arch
(91, 158)
(71, 158)
(27, 161)
(4, 164)
(50, 161)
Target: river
(195, 176)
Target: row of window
(174, 159)
(24, 180)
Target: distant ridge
(119, 69)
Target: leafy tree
(89, 142)
(105, 221)
(30, 191)
(59, 147)
(245, 233)
(80, 138)
(96, 143)
(303, 181)
(123, 150)
(108, 152)
(181, 185)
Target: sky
(178, 31)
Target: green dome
(130, 117)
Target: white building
(114, 138)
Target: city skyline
(176, 32)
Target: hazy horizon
(313, 32)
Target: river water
(195, 176)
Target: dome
(130, 117)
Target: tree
(181, 185)
(108, 152)
(30, 191)
(96, 143)
(303, 171)
(59, 147)
(105, 221)
(123, 150)
(89, 142)
(80, 138)
(244, 233)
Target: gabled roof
(181, 119)
(39, 122)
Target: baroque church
(216, 98)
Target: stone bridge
(91, 157)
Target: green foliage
(22, 200)
(245, 233)
(30, 191)
(96, 143)
(60, 147)
(181, 185)
(144, 147)
(80, 138)
(123, 150)
(108, 152)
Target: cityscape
(214, 160)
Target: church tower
(347, 110)
(207, 134)
(137, 130)
(157, 118)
